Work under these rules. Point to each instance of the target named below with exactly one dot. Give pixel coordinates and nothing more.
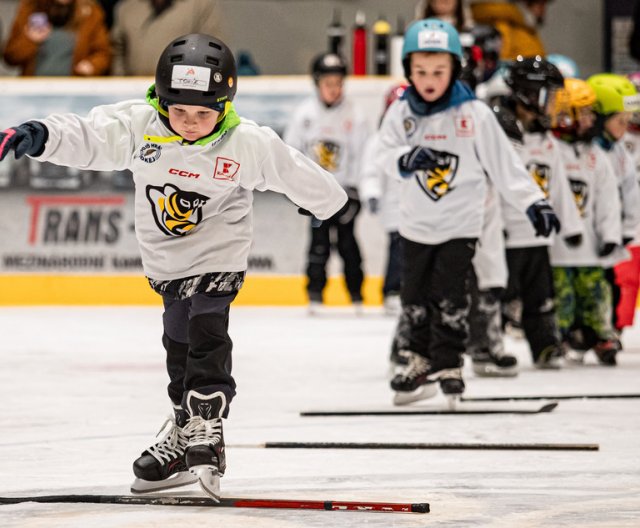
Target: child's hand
(84, 67)
(28, 138)
(543, 218)
(315, 222)
(418, 158)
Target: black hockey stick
(548, 407)
(550, 397)
(403, 445)
(228, 502)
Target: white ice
(83, 393)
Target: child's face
(585, 119)
(444, 7)
(192, 122)
(617, 124)
(431, 74)
(330, 88)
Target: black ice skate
(606, 351)
(488, 364)
(162, 465)
(551, 357)
(205, 456)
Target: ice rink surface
(83, 393)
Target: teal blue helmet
(432, 35)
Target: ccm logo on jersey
(464, 126)
(226, 169)
(184, 173)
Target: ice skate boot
(606, 351)
(205, 455)
(162, 466)
(392, 305)
(451, 385)
(488, 364)
(412, 383)
(550, 358)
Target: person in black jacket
(634, 41)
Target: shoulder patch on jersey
(226, 169)
(150, 152)
(410, 125)
(465, 126)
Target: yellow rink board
(258, 290)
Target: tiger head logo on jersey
(436, 182)
(176, 212)
(540, 174)
(327, 155)
(580, 195)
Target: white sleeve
(287, 171)
(294, 132)
(359, 139)
(103, 140)
(502, 164)
(371, 181)
(562, 199)
(608, 214)
(391, 144)
(630, 193)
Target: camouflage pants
(583, 299)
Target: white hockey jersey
(540, 154)
(595, 190)
(193, 202)
(449, 202)
(332, 137)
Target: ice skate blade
(184, 478)
(209, 480)
(489, 370)
(574, 357)
(423, 392)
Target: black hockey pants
(393, 273)
(342, 225)
(531, 280)
(435, 298)
(198, 345)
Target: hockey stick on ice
(403, 445)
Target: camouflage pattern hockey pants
(583, 300)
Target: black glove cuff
(40, 135)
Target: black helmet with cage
(197, 70)
(326, 64)
(534, 82)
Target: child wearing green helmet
(616, 101)
(442, 143)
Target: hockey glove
(374, 205)
(315, 222)
(627, 240)
(573, 240)
(543, 218)
(607, 249)
(28, 138)
(418, 158)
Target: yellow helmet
(575, 94)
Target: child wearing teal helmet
(442, 143)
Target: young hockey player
(583, 296)
(195, 164)
(533, 83)
(444, 143)
(616, 100)
(330, 130)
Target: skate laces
(417, 366)
(203, 432)
(172, 445)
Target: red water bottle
(360, 45)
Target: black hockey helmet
(196, 69)
(534, 82)
(508, 122)
(328, 63)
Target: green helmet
(615, 93)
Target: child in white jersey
(329, 129)
(195, 164)
(443, 144)
(583, 296)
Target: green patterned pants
(583, 299)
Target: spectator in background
(517, 21)
(108, 6)
(452, 11)
(634, 42)
(59, 37)
(141, 29)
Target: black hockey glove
(626, 240)
(374, 205)
(418, 158)
(28, 138)
(573, 240)
(543, 218)
(607, 249)
(315, 222)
